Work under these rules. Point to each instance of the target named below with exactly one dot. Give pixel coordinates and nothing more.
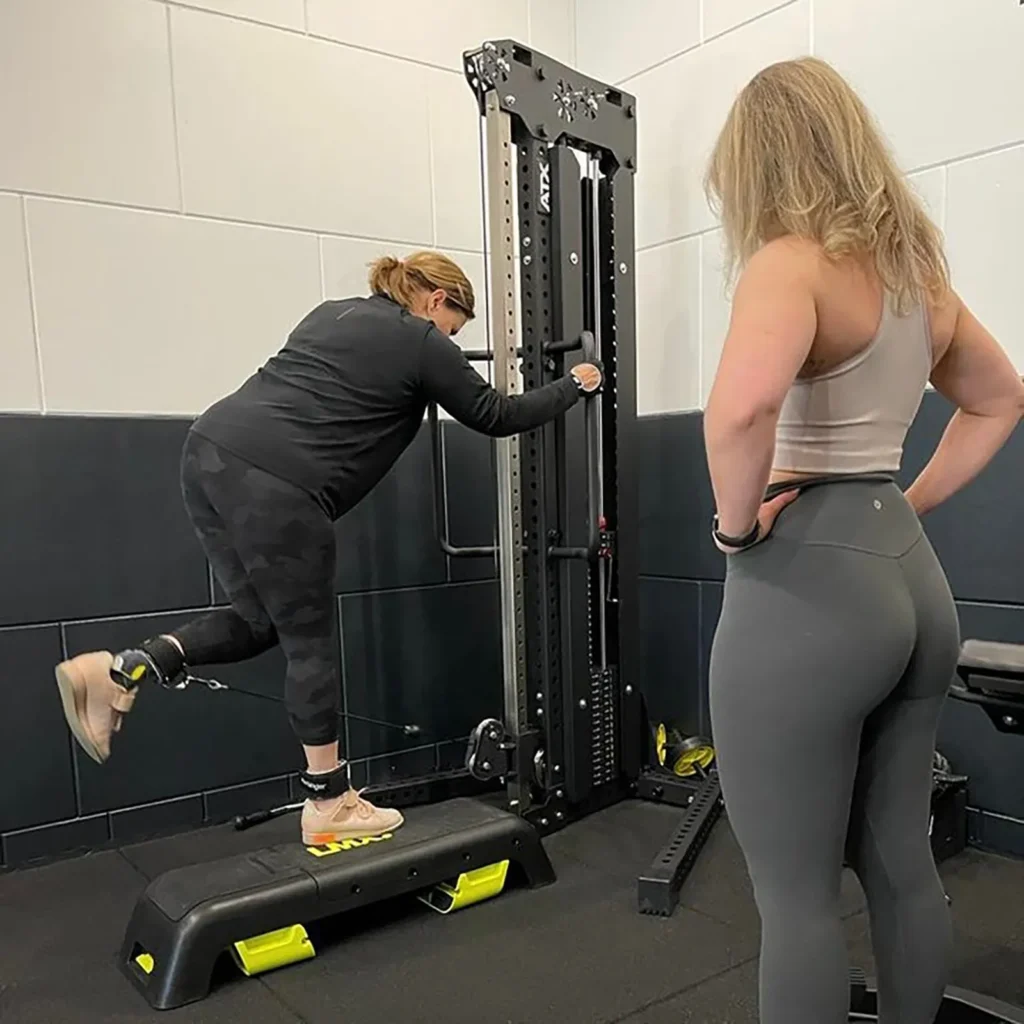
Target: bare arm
(774, 320)
(976, 375)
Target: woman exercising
(265, 473)
(838, 637)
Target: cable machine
(559, 163)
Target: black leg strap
(167, 658)
(325, 785)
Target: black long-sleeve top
(334, 409)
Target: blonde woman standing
(838, 637)
(266, 472)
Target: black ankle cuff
(325, 785)
(166, 656)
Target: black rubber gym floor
(576, 951)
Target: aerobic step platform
(255, 903)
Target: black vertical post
(540, 483)
(569, 280)
(619, 315)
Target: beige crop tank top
(854, 418)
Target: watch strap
(736, 542)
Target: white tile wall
(284, 13)
(85, 101)
(668, 327)
(455, 162)
(435, 34)
(722, 15)
(715, 295)
(615, 41)
(150, 313)
(681, 107)
(984, 229)
(553, 29)
(19, 381)
(343, 148)
(931, 187)
(944, 78)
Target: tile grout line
(574, 32)
(174, 114)
(945, 198)
(201, 609)
(704, 40)
(691, 580)
(75, 774)
(230, 221)
(1003, 147)
(651, 246)
(658, 64)
(661, 1000)
(431, 172)
(280, 999)
(750, 21)
(33, 306)
(304, 33)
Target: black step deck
(188, 916)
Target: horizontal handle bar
(485, 355)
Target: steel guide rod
(501, 211)
(594, 173)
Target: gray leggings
(837, 643)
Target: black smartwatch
(736, 542)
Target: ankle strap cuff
(325, 785)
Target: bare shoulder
(787, 262)
(788, 253)
(943, 313)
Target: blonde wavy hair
(801, 155)
(403, 280)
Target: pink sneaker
(348, 817)
(93, 703)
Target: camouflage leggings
(272, 550)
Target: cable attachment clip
(210, 684)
